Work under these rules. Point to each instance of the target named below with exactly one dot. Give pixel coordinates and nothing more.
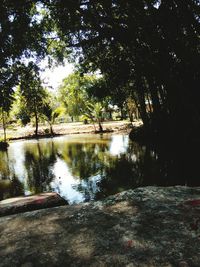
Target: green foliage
(144, 49)
(132, 109)
(73, 93)
(32, 95)
(50, 114)
(76, 94)
(26, 34)
(23, 116)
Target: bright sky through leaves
(54, 76)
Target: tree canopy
(148, 49)
(76, 93)
(145, 50)
(26, 35)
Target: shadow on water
(86, 168)
(144, 166)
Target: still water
(83, 167)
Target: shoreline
(27, 133)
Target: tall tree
(7, 81)
(33, 95)
(26, 34)
(76, 94)
(50, 114)
(150, 48)
(73, 93)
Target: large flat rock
(29, 203)
(143, 227)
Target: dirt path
(143, 227)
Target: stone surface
(28, 203)
(143, 227)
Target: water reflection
(87, 167)
(39, 161)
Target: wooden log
(29, 203)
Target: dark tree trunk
(100, 126)
(142, 110)
(131, 117)
(141, 101)
(110, 115)
(4, 125)
(122, 114)
(36, 123)
(51, 129)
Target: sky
(53, 77)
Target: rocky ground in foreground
(143, 227)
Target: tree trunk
(4, 125)
(100, 127)
(94, 125)
(141, 100)
(130, 117)
(142, 109)
(122, 114)
(110, 115)
(36, 124)
(51, 129)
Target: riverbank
(27, 132)
(150, 226)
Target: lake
(83, 168)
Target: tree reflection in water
(93, 167)
(86, 162)
(10, 186)
(144, 166)
(39, 161)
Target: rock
(148, 226)
(29, 203)
(183, 264)
(27, 264)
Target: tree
(76, 94)
(132, 109)
(148, 49)
(26, 34)
(7, 81)
(93, 111)
(50, 115)
(33, 95)
(73, 94)
(143, 49)
(4, 117)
